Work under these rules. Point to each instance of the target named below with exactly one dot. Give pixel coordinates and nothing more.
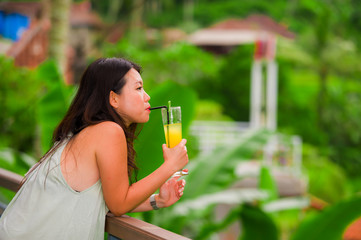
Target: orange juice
(174, 136)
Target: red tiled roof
(82, 15)
(232, 32)
(31, 9)
(256, 23)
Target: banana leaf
(54, 102)
(210, 176)
(216, 171)
(149, 142)
(257, 225)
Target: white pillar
(272, 91)
(256, 95)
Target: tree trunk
(58, 36)
(113, 10)
(136, 21)
(45, 13)
(322, 94)
(188, 9)
(322, 29)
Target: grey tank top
(46, 207)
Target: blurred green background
(319, 93)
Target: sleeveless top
(46, 207)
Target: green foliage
(257, 225)
(297, 107)
(53, 104)
(212, 227)
(208, 109)
(209, 176)
(29, 98)
(298, 100)
(152, 136)
(330, 184)
(180, 62)
(344, 111)
(209, 12)
(18, 92)
(215, 171)
(330, 224)
(231, 86)
(251, 218)
(267, 183)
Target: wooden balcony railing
(124, 227)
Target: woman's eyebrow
(139, 82)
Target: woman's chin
(145, 120)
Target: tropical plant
(210, 176)
(19, 89)
(180, 62)
(336, 217)
(54, 102)
(152, 133)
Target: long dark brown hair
(91, 105)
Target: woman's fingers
(183, 142)
(177, 156)
(181, 185)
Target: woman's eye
(139, 88)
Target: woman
(88, 170)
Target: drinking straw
(153, 108)
(168, 110)
(169, 106)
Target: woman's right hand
(177, 156)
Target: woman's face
(132, 104)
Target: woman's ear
(113, 99)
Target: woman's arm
(111, 154)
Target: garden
(318, 109)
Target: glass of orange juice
(172, 123)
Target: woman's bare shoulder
(106, 131)
(109, 144)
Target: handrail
(124, 227)
(10, 180)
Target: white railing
(211, 134)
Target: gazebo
(262, 31)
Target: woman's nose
(146, 97)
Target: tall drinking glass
(172, 123)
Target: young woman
(88, 170)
